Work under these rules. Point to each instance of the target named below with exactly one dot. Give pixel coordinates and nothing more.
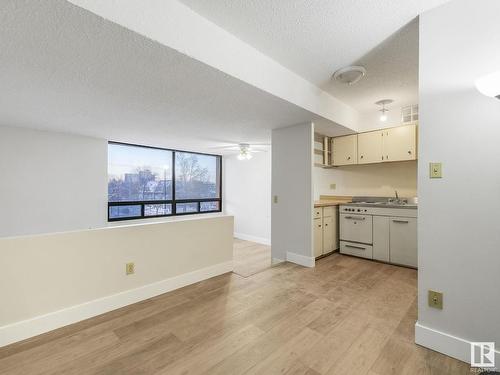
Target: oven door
(356, 228)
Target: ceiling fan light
(383, 117)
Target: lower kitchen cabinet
(381, 238)
(326, 233)
(329, 234)
(318, 237)
(403, 241)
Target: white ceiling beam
(174, 25)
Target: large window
(151, 182)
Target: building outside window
(152, 182)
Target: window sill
(165, 219)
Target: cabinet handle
(386, 157)
(326, 225)
(319, 226)
(401, 221)
(409, 152)
(361, 157)
(355, 247)
(348, 158)
(354, 218)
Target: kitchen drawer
(329, 211)
(356, 249)
(318, 213)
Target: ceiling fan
(245, 150)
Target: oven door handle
(354, 218)
(400, 221)
(356, 247)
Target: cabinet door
(328, 232)
(335, 228)
(403, 241)
(400, 143)
(318, 237)
(381, 238)
(370, 147)
(345, 150)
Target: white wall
(367, 180)
(370, 120)
(51, 182)
(57, 279)
(247, 196)
(459, 236)
(292, 160)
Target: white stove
(365, 228)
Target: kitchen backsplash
(367, 180)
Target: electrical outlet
(275, 199)
(333, 186)
(435, 170)
(129, 268)
(435, 299)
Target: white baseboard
(300, 259)
(247, 237)
(445, 343)
(32, 327)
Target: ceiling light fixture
(489, 85)
(245, 152)
(349, 75)
(383, 111)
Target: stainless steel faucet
(397, 196)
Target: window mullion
(174, 204)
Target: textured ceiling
(316, 37)
(63, 68)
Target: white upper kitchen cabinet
(400, 143)
(345, 150)
(370, 147)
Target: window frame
(173, 202)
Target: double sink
(385, 202)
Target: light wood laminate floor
(346, 316)
(250, 257)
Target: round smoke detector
(349, 75)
